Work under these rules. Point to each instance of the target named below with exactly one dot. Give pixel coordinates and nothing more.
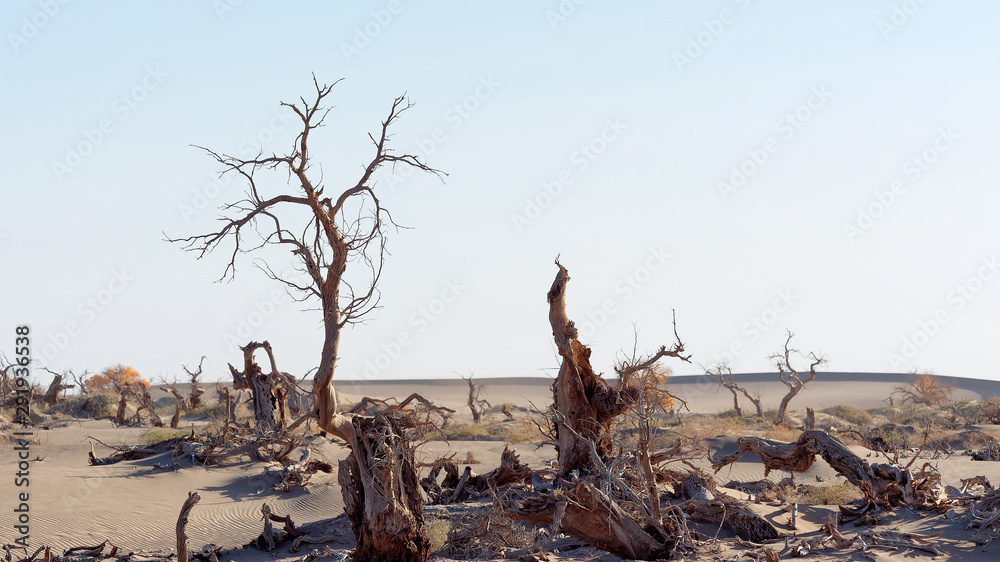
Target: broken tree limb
(182, 520)
(883, 484)
(704, 502)
(583, 400)
(591, 516)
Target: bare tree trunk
(810, 419)
(51, 397)
(196, 391)
(175, 421)
(261, 386)
(182, 520)
(381, 493)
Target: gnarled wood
(381, 494)
(182, 520)
(883, 484)
(589, 515)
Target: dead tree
(885, 485)
(584, 403)
(791, 377)
(345, 229)
(725, 376)
(265, 390)
(182, 520)
(181, 400)
(51, 396)
(477, 405)
(196, 390)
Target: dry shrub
(478, 534)
(925, 389)
(991, 409)
(836, 494)
(850, 414)
(471, 458)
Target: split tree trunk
(381, 493)
(51, 397)
(261, 386)
(583, 400)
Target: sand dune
(135, 504)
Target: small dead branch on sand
(182, 520)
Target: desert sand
(134, 504)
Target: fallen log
(885, 485)
(589, 515)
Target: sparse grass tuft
(157, 434)
(437, 530)
(837, 494)
(850, 414)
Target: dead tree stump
(381, 493)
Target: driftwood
(885, 485)
(457, 488)
(182, 520)
(586, 513)
(704, 502)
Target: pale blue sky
(536, 89)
